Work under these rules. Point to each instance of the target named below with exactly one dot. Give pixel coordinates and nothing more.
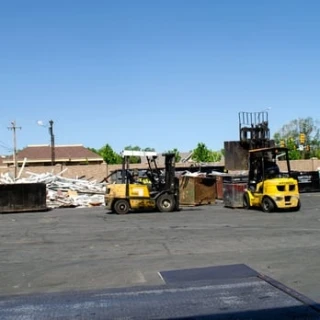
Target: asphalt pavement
(87, 249)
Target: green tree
(202, 154)
(109, 155)
(215, 156)
(149, 149)
(294, 153)
(176, 154)
(289, 135)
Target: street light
(40, 123)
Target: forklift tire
(166, 203)
(267, 205)
(246, 201)
(121, 206)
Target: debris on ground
(64, 192)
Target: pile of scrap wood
(64, 192)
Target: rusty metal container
(219, 187)
(235, 178)
(22, 197)
(233, 194)
(197, 190)
(236, 157)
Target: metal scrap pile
(64, 192)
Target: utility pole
(52, 143)
(14, 129)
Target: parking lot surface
(80, 249)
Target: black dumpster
(308, 181)
(22, 197)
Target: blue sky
(159, 74)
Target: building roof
(185, 157)
(2, 159)
(42, 153)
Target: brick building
(40, 155)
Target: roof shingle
(62, 152)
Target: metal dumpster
(233, 194)
(239, 178)
(197, 190)
(22, 197)
(219, 187)
(308, 181)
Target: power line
(14, 129)
(4, 144)
(5, 148)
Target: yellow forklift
(267, 187)
(162, 193)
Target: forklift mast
(126, 154)
(254, 130)
(155, 172)
(125, 169)
(170, 183)
(254, 133)
(159, 182)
